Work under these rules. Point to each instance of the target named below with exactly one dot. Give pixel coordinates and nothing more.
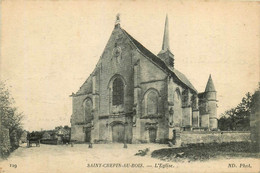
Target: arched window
(194, 101)
(177, 96)
(118, 92)
(88, 110)
(152, 103)
(185, 97)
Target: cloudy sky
(49, 48)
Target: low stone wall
(213, 136)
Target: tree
(238, 118)
(11, 120)
(255, 117)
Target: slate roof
(184, 79)
(160, 62)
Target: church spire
(210, 85)
(165, 54)
(166, 45)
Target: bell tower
(165, 54)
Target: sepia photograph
(129, 86)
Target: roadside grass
(200, 152)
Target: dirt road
(109, 158)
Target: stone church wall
(204, 120)
(175, 101)
(78, 109)
(213, 136)
(186, 117)
(78, 118)
(111, 65)
(213, 122)
(195, 118)
(152, 78)
(150, 71)
(77, 133)
(182, 114)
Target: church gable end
(135, 96)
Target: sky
(49, 48)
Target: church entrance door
(152, 135)
(118, 133)
(87, 134)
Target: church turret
(165, 54)
(210, 90)
(211, 99)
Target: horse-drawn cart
(33, 140)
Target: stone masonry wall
(208, 137)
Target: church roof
(210, 85)
(184, 79)
(160, 62)
(86, 87)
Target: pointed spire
(210, 85)
(166, 45)
(165, 54)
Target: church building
(135, 96)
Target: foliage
(11, 120)
(37, 135)
(5, 146)
(255, 117)
(255, 103)
(238, 118)
(64, 132)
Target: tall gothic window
(118, 92)
(185, 97)
(152, 103)
(194, 102)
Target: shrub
(5, 147)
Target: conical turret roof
(210, 85)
